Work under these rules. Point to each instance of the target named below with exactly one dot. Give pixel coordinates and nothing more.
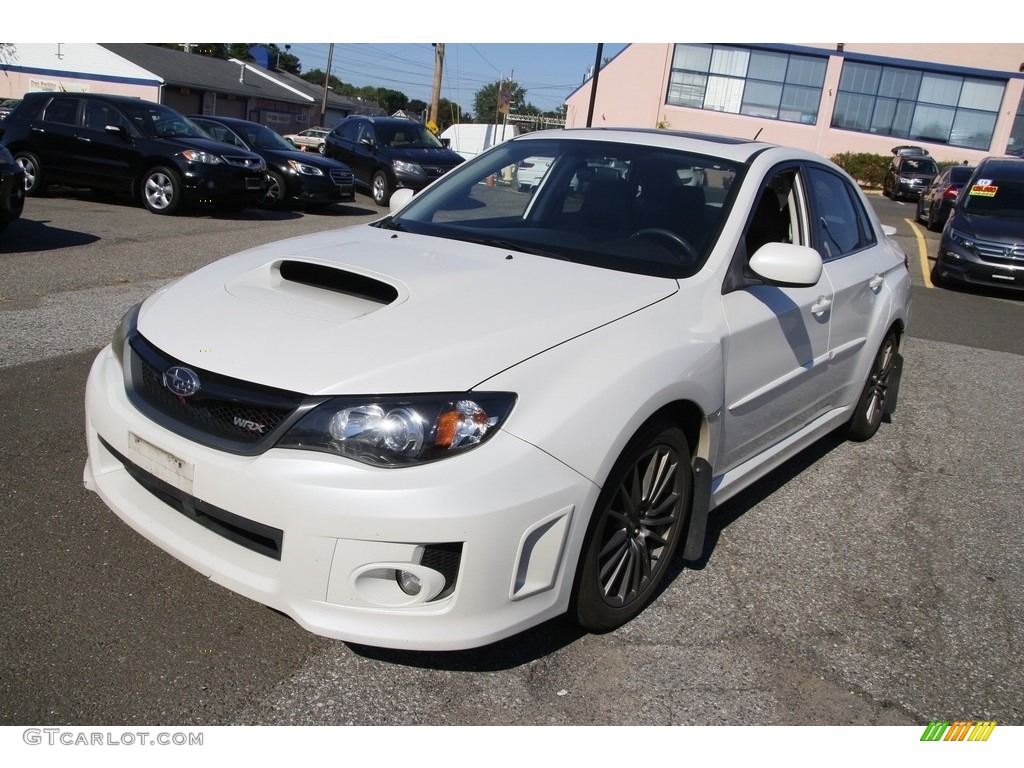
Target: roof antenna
(758, 133)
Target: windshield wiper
(515, 245)
(389, 223)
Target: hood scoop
(315, 290)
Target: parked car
(935, 203)
(530, 171)
(488, 409)
(292, 175)
(12, 188)
(908, 176)
(983, 240)
(311, 138)
(7, 106)
(389, 153)
(123, 144)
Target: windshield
(260, 137)
(158, 121)
(994, 197)
(627, 207)
(918, 165)
(413, 135)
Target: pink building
(958, 101)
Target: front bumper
(956, 263)
(205, 183)
(510, 511)
(12, 195)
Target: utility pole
(435, 99)
(327, 85)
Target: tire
(161, 190)
(275, 193)
(919, 216)
(628, 548)
(322, 149)
(34, 182)
(380, 188)
(933, 224)
(867, 416)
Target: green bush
(868, 169)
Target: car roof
(1002, 166)
(731, 147)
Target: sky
(549, 72)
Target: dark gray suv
(124, 144)
(983, 240)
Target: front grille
(1000, 253)
(224, 413)
(241, 161)
(264, 539)
(434, 171)
(342, 177)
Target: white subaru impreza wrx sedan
(494, 406)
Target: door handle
(821, 305)
(876, 282)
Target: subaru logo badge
(181, 381)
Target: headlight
(403, 167)
(961, 239)
(401, 431)
(199, 156)
(125, 328)
(304, 169)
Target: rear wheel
(34, 184)
(871, 407)
(635, 529)
(161, 190)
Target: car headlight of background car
(961, 239)
(411, 168)
(304, 168)
(401, 431)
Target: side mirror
(787, 264)
(446, 143)
(398, 200)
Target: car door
(105, 150)
(54, 139)
(850, 250)
(776, 352)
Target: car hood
(366, 310)
(208, 145)
(280, 158)
(995, 228)
(439, 156)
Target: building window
(1015, 146)
(747, 81)
(917, 104)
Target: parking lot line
(922, 252)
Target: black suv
(389, 153)
(303, 177)
(983, 240)
(124, 144)
(12, 189)
(909, 175)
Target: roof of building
(189, 70)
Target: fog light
(409, 582)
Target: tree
(485, 102)
(449, 113)
(390, 100)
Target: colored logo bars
(959, 730)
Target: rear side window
(840, 221)
(62, 110)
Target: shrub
(866, 168)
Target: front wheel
(874, 398)
(161, 190)
(635, 529)
(381, 188)
(274, 194)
